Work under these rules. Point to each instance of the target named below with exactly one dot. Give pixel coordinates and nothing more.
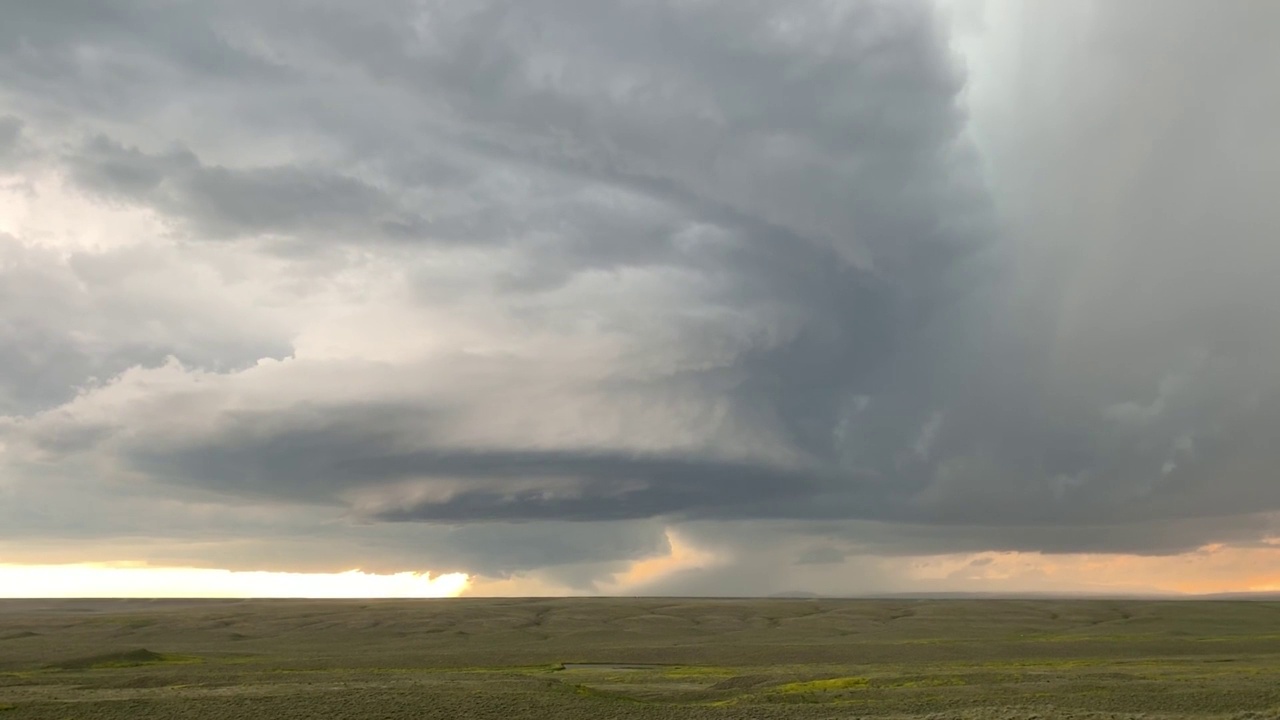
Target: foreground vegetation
(650, 658)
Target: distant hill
(1256, 596)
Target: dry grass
(659, 658)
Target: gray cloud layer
(564, 261)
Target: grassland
(642, 658)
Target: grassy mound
(125, 659)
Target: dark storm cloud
(725, 103)
(614, 486)
(1132, 382)
(859, 212)
(1161, 537)
(71, 322)
(217, 202)
(112, 59)
(43, 366)
(773, 212)
(533, 545)
(318, 455)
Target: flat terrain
(644, 658)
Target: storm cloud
(873, 278)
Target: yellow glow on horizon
(118, 580)
(1213, 568)
(682, 556)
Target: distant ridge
(1264, 596)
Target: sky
(660, 297)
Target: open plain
(639, 658)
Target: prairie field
(639, 658)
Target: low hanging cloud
(417, 267)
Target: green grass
(824, 685)
(637, 659)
